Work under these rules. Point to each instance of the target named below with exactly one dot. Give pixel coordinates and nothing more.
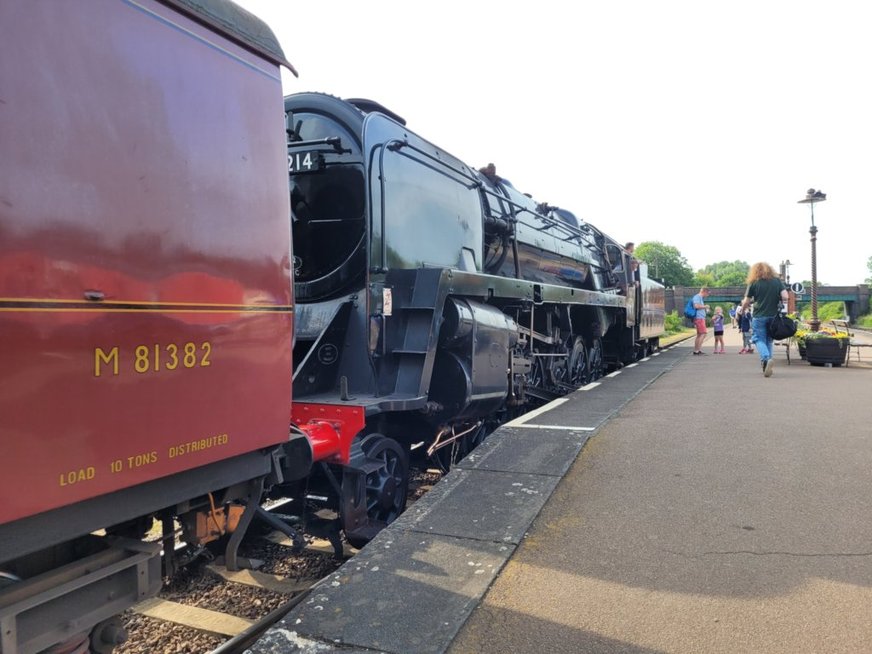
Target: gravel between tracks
(197, 586)
(150, 636)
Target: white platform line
(589, 386)
(520, 420)
(562, 427)
(645, 359)
(614, 374)
(631, 365)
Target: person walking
(767, 292)
(699, 321)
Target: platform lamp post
(811, 197)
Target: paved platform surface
(685, 504)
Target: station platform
(682, 504)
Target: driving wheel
(595, 359)
(387, 483)
(579, 374)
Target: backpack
(689, 310)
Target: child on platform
(744, 318)
(718, 326)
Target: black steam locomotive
(437, 297)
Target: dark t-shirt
(766, 294)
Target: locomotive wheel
(477, 438)
(536, 376)
(387, 484)
(595, 360)
(107, 635)
(560, 367)
(579, 374)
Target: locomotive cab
(328, 204)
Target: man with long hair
(767, 292)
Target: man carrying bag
(767, 292)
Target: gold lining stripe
(255, 309)
(139, 302)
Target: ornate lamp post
(811, 197)
(785, 271)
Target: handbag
(781, 327)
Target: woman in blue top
(699, 321)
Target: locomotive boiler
(437, 298)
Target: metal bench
(785, 343)
(842, 326)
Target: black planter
(821, 351)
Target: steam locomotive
(438, 298)
(155, 361)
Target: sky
(696, 124)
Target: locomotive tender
(437, 298)
(145, 301)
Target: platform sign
(797, 288)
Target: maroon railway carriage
(145, 298)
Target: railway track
(206, 608)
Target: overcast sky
(697, 124)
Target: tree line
(666, 263)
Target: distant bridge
(856, 298)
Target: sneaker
(699, 353)
(742, 351)
(722, 351)
(767, 367)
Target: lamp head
(812, 196)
